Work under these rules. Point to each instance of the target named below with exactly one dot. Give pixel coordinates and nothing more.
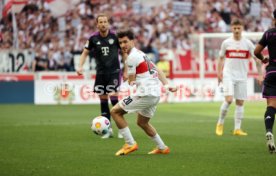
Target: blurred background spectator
(158, 24)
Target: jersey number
(150, 65)
(127, 100)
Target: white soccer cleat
(109, 134)
(270, 142)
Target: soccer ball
(100, 125)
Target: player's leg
(269, 93)
(100, 89)
(148, 108)
(104, 106)
(117, 113)
(161, 148)
(238, 117)
(240, 94)
(270, 114)
(269, 123)
(228, 91)
(114, 101)
(106, 113)
(112, 89)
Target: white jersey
(147, 81)
(237, 55)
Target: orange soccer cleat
(126, 149)
(159, 151)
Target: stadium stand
(158, 27)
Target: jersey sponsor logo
(105, 51)
(237, 54)
(111, 41)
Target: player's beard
(104, 29)
(125, 50)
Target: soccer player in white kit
(143, 74)
(233, 63)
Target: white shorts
(144, 105)
(237, 89)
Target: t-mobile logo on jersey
(105, 51)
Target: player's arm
(163, 79)
(220, 68)
(221, 61)
(33, 65)
(131, 70)
(258, 63)
(259, 69)
(260, 47)
(131, 79)
(83, 57)
(258, 53)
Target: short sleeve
(131, 66)
(251, 48)
(88, 44)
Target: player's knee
(116, 110)
(141, 124)
(239, 102)
(229, 102)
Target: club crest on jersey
(111, 41)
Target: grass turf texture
(57, 141)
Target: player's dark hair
(236, 22)
(274, 14)
(102, 15)
(126, 33)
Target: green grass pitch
(57, 141)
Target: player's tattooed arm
(163, 79)
(131, 79)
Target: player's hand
(80, 71)
(171, 88)
(265, 60)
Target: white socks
(238, 116)
(130, 140)
(158, 141)
(223, 111)
(127, 136)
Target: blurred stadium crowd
(57, 39)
